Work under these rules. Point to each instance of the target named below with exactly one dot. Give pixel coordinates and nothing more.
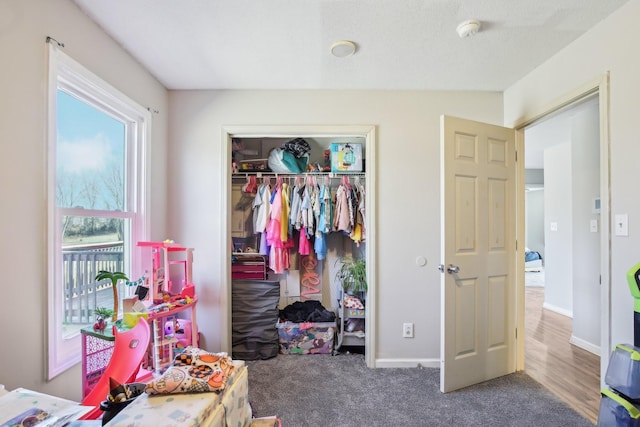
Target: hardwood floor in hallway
(569, 372)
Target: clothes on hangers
(323, 220)
(284, 216)
(360, 235)
(312, 210)
(296, 202)
(341, 221)
(261, 206)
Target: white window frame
(68, 75)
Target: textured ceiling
(402, 44)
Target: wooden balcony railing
(82, 294)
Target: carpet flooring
(340, 391)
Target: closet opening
(299, 209)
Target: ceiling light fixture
(468, 28)
(343, 48)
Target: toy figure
(179, 329)
(100, 325)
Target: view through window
(96, 200)
(89, 196)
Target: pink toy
(171, 269)
(100, 325)
(179, 329)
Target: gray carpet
(325, 390)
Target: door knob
(453, 269)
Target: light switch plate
(622, 224)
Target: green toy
(633, 278)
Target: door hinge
(516, 245)
(516, 152)
(516, 333)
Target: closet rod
(276, 174)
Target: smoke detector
(468, 28)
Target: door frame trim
(368, 132)
(599, 86)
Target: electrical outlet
(407, 330)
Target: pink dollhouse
(171, 292)
(171, 269)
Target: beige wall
(24, 26)
(604, 48)
(408, 193)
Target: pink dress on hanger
(304, 247)
(279, 250)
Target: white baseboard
(558, 310)
(407, 363)
(585, 345)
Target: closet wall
(250, 167)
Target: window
(96, 199)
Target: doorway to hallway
(562, 333)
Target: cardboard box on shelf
(346, 157)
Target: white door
(478, 209)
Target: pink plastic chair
(129, 350)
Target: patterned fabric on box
(353, 302)
(194, 371)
